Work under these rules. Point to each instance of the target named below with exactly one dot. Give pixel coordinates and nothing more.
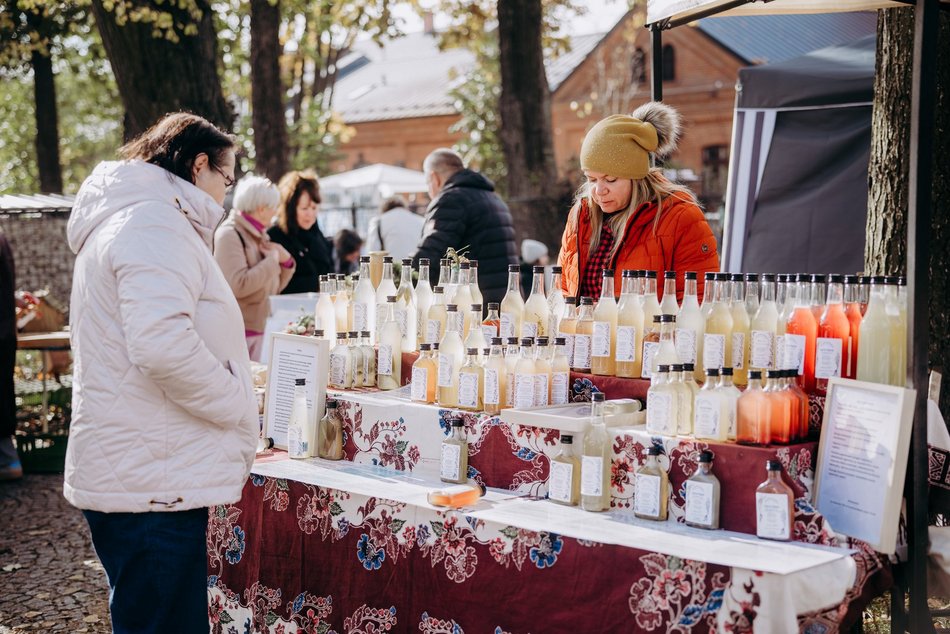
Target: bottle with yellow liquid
(423, 301)
(564, 478)
(471, 382)
(650, 346)
(387, 287)
(453, 465)
(463, 296)
(542, 372)
(524, 375)
(476, 336)
(555, 302)
(512, 355)
(595, 461)
(652, 490)
(389, 360)
(752, 293)
(651, 305)
(669, 306)
(567, 327)
(583, 334)
(740, 332)
(709, 290)
(512, 304)
(534, 321)
(604, 335)
(495, 379)
(473, 283)
(690, 325)
(406, 312)
(666, 353)
(451, 356)
(874, 351)
(898, 321)
(560, 374)
(717, 340)
(629, 328)
(343, 307)
(762, 327)
(424, 372)
(684, 399)
(436, 317)
(445, 279)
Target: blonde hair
(654, 187)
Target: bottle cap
(300, 381)
(390, 299)
(891, 280)
(355, 277)
(354, 334)
(341, 335)
(773, 465)
(901, 280)
(653, 450)
(669, 275)
(465, 265)
(628, 273)
(486, 351)
(560, 341)
(705, 456)
(364, 258)
(663, 368)
(387, 259)
(598, 397)
(768, 277)
(473, 264)
(877, 279)
(689, 367)
(676, 367)
(456, 422)
(423, 261)
(608, 272)
(650, 275)
(572, 300)
(773, 374)
(781, 278)
(751, 277)
(537, 269)
(406, 261)
(318, 332)
(735, 277)
(725, 371)
(364, 333)
(712, 371)
(656, 319)
(435, 346)
(755, 374)
(851, 280)
(514, 268)
(445, 262)
(709, 276)
(512, 341)
(527, 341)
(331, 403)
(721, 277)
(689, 275)
(425, 347)
(452, 308)
(471, 351)
(555, 270)
(567, 439)
(496, 341)
(587, 301)
(667, 319)
(475, 307)
(816, 279)
(438, 290)
(542, 341)
(493, 305)
(836, 278)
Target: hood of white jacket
(115, 186)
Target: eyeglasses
(228, 180)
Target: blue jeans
(157, 565)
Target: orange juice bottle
(834, 331)
(779, 408)
(853, 312)
(801, 334)
(800, 408)
(752, 424)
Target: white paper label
(338, 369)
(420, 384)
(451, 457)
(297, 447)
(646, 496)
(592, 475)
(582, 352)
(780, 352)
(699, 502)
(761, 351)
(359, 316)
(433, 331)
(446, 370)
(529, 329)
(561, 481)
(601, 340)
(685, 339)
(650, 348)
(771, 513)
(660, 413)
(508, 325)
(828, 352)
(455, 321)
(540, 390)
(384, 366)
(714, 351)
(738, 350)
(568, 346)
(492, 393)
(626, 344)
(559, 385)
(402, 317)
(489, 331)
(524, 391)
(468, 389)
(707, 412)
(794, 358)
(509, 389)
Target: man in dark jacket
(10, 468)
(466, 212)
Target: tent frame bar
(919, 203)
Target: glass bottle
(652, 490)
(453, 466)
(583, 334)
(330, 435)
(717, 339)
(495, 379)
(709, 291)
(864, 293)
(471, 382)
(651, 305)
(650, 347)
(684, 399)
(834, 333)
(564, 478)
(476, 337)
(387, 287)
(542, 372)
(762, 327)
(710, 419)
(436, 317)
(853, 312)
(491, 323)
(604, 334)
(355, 352)
(784, 298)
(752, 413)
(451, 357)
(567, 327)
(702, 494)
(560, 374)
(424, 372)
(534, 321)
(690, 326)
(300, 430)
(473, 283)
(666, 353)
(662, 404)
(780, 409)
(364, 302)
(595, 461)
(323, 312)
(423, 301)
(801, 412)
(689, 380)
(512, 304)
(898, 322)
(874, 352)
(555, 302)
(740, 332)
(524, 375)
(463, 297)
(445, 279)
(629, 329)
(730, 395)
(774, 505)
(405, 310)
(342, 306)
(751, 294)
(668, 305)
(818, 294)
(340, 368)
(801, 334)
(389, 359)
(369, 360)
(512, 355)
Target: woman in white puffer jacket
(164, 419)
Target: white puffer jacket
(164, 417)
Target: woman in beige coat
(254, 267)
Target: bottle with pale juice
(424, 372)
(730, 395)
(666, 353)
(476, 336)
(604, 335)
(542, 372)
(386, 288)
(740, 332)
(560, 374)
(690, 325)
(684, 400)
(567, 327)
(473, 283)
(524, 375)
(583, 335)
(669, 306)
(300, 429)
(471, 382)
(595, 460)
(364, 301)
(710, 418)
(512, 305)
(564, 479)
(423, 301)
(650, 303)
(463, 297)
(652, 490)
(389, 360)
(330, 433)
(512, 356)
(405, 310)
(340, 368)
(495, 378)
(453, 465)
(629, 329)
(662, 404)
(717, 339)
(451, 357)
(555, 302)
(752, 293)
(762, 328)
(874, 354)
(368, 360)
(436, 317)
(534, 321)
(703, 491)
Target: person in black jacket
(466, 212)
(10, 468)
(298, 232)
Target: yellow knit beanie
(619, 146)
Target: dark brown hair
(291, 186)
(176, 140)
(392, 203)
(346, 242)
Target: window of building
(715, 173)
(638, 70)
(669, 63)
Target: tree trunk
(155, 75)
(525, 133)
(267, 101)
(885, 252)
(47, 124)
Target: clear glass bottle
(801, 335)
(740, 332)
(774, 505)
(684, 399)
(473, 283)
(492, 322)
(780, 408)
(595, 460)
(471, 382)
(666, 353)
(300, 432)
(475, 337)
(629, 329)
(800, 405)
(369, 360)
(651, 305)
(702, 494)
(874, 353)
(495, 379)
(652, 490)
(435, 319)
(762, 327)
(389, 359)
(355, 351)
(330, 434)
(386, 288)
(445, 280)
(817, 294)
(853, 312)
(583, 334)
(405, 310)
(567, 327)
(834, 334)
(340, 368)
(453, 466)
(555, 302)
(668, 305)
(342, 306)
(534, 321)
(752, 292)
(730, 395)
(451, 357)
(717, 339)
(662, 404)
(324, 316)
(463, 297)
(650, 348)
(564, 479)
(424, 372)
(524, 375)
(423, 301)
(542, 372)
(512, 304)
(898, 322)
(710, 420)
(752, 413)
(604, 333)
(689, 380)
(709, 292)
(560, 374)
(512, 355)
(364, 301)
(690, 325)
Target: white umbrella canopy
(376, 181)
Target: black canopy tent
(666, 14)
(797, 195)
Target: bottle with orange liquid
(801, 334)
(834, 332)
(752, 412)
(853, 312)
(817, 294)
(780, 409)
(800, 410)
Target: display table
(316, 546)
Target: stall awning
(682, 11)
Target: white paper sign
(828, 357)
(450, 462)
(650, 348)
(794, 357)
(294, 357)
(420, 380)
(699, 502)
(468, 389)
(582, 352)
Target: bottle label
(714, 351)
(738, 350)
(402, 318)
(761, 350)
(660, 413)
(540, 390)
(592, 475)
(561, 481)
(509, 389)
(685, 339)
(559, 384)
(455, 321)
(338, 369)
(433, 331)
(420, 384)
(647, 495)
(771, 514)
(384, 366)
(707, 417)
(780, 352)
(369, 372)
(529, 329)
(359, 316)
(380, 315)
(568, 346)
(700, 497)
(507, 325)
(451, 461)
(446, 370)
(468, 389)
(582, 352)
(601, 339)
(297, 446)
(489, 330)
(795, 352)
(650, 348)
(492, 393)
(626, 344)
(828, 356)
(524, 391)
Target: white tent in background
(368, 186)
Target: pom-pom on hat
(619, 146)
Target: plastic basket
(42, 453)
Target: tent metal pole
(656, 62)
(919, 203)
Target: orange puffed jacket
(681, 241)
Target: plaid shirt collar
(598, 261)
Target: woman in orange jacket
(628, 215)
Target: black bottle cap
(773, 465)
(690, 275)
(773, 374)
(391, 299)
(751, 277)
(435, 346)
(650, 275)
(364, 333)
(709, 276)
(438, 290)
(587, 301)
(537, 269)
(676, 367)
(406, 261)
(755, 374)
(768, 277)
(465, 265)
(712, 371)
(514, 268)
(512, 341)
(387, 259)
(425, 346)
(567, 439)
(542, 341)
(663, 367)
(669, 275)
(836, 278)
(667, 319)
(598, 397)
(656, 319)
(572, 300)
(354, 334)
(493, 305)
(475, 307)
(653, 450)
(851, 280)
(331, 403)
(364, 258)
(736, 277)
(607, 272)
(318, 333)
(689, 367)
(628, 273)
(555, 270)
(473, 264)
(341, 335)
(423, 261)
(471, 351)
(877, 279)
(452, 308)
(527, 341)
(705, 456)
(496, 341)
(726, 371)
(560, 341)
(456, 422)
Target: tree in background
(267, 104)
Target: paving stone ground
(50, 578)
